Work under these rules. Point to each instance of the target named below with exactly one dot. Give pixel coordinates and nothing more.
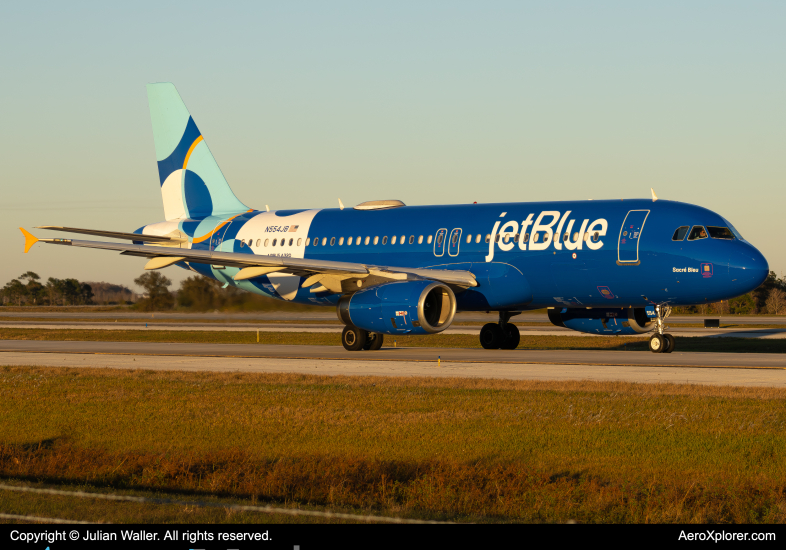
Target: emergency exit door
(630, 237)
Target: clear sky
(427, 102)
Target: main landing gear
(502, 335)
(660, 342)
(354, 339)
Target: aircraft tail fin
(192, 184)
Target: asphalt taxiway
(695, 368)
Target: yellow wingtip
(30, 240)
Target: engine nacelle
(611, 321)
(406, 307)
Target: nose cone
(748, 268)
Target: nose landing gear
(502, 335)
(660, 342)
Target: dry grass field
(452, 449)
(738, 345)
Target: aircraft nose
(748, 269)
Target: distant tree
(198, 293)
(14, 291)
(157, 296)
(761, 294)
(742, 305)
(34, 289)
(776, 301)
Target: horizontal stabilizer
(116, 234)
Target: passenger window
(299, 241)
(357, 241)
(274, 242)
(368, 239)
(439, 239)
(349, 241)
(454, 239)
(506, 238)
(283, 242)
(332, 241)
(526, 237)
(267, 241)
(680, 233)
(496, 238)
(698, 232)
(341, 241)
(477, 238)
(586, 237)
(566, 238)
(535, 237)
(469, 239)
(393, 240)
(595, 237)
(376, 240)
(720, 233)
(403, 239)
(324, 241)
(546, 238)
(291, 241)
(412, 239)
(428, 240)
(258, 242)
(316, 241)
(488, 237)
(308, 241)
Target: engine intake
(405, 307)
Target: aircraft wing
(322, 275)
(118, 235)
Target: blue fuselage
(524, 255)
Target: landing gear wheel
(491, 336)
(353, 338)
(512, 337)
(374, 341)
(670, 339)
(657, 343)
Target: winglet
(30, 240)
(654, 196)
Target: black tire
(512, 337)
(491, 336)
(670, 338)
(657, 343)
(374, 341)
(353, 338)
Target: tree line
(199, 293)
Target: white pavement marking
(678, 331)
(643, 374)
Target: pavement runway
(740, 332)
(695, 368)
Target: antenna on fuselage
(340, 204)
(267, 208)
(654, 196)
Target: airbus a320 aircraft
(611, 267)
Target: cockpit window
(698, 232)
(680, 233)
(720, 233)
(733, 230)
